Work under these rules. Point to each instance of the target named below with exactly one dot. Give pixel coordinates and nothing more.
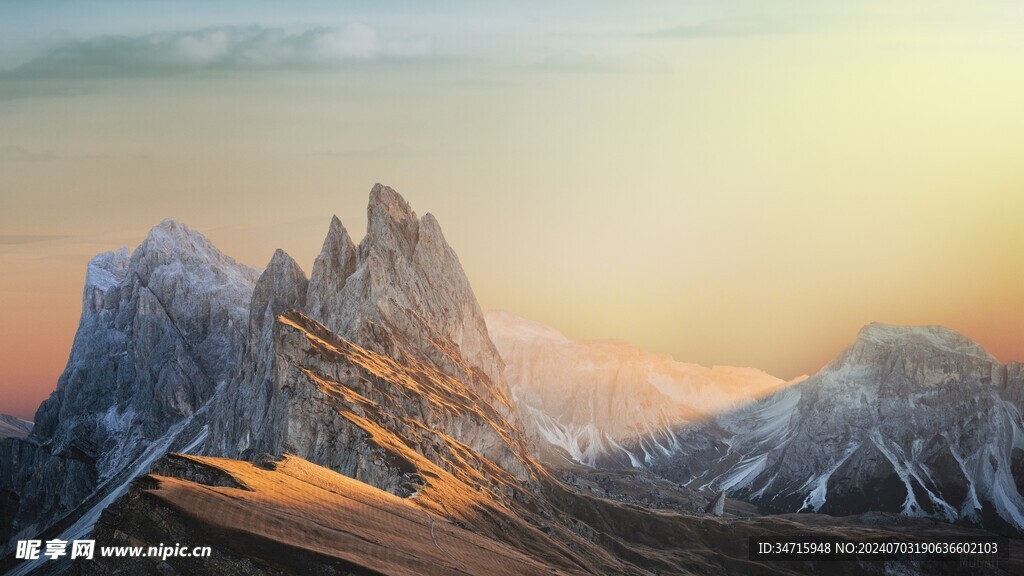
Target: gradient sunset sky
(739, 183)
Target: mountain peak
(171, 235)
(335, 263)
(403, 274)
(171, 242)
(386, 198)
(391, 222)
(107, 269)
(935, 337)
(282, 286)
(170, 232)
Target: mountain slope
(915, 420)
(11, 427)
(300, 518)
(589, 398)
(359, 421)
(160, 329)
(293, 517)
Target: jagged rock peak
(171, 240)
(403, 275)
(390, 220)
(282, 286)
(173, 234)
(107, 269)
(935, 337)
(335, 263)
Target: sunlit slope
(609, 402)
(309, 510)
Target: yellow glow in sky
(739, 191)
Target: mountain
(361, 421)
(405, 352)
(11, 427)
(915, 420)
(289, 516)
(160, 330)
(591, 398)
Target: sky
(729, 182)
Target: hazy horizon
(727, 183)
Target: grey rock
(717, 508)
(245, 409)
(388, 339)
(335, 263)
(406, 277)
(915, 420)
(160, 330)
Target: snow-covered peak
(935, 337)
(597, 399)
(172, 243)
(171, 234)
(107, 269)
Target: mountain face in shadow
(160, 329)
(918, 421)
(362, 421)
(915, 420)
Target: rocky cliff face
(403, 275)
(591, 399)
(160, 330)
(919, 421)
(385, 346)
(380, 367)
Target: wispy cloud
(720, 29)
(22, 154)
(574, 62)
(18, 239)
(218, 49)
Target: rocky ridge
(589, 398)
(914, 420)
(160, 329)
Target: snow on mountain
(592, 398)
(915, 420)
(11, 427)
(160, 329)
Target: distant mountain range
(368, 419)
(919, 421)
(588, 398)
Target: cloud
(22, 154)
(8, 152)
(583, 63)
(218, 49)
(18, 239)
(720, 29)
(570, 61)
